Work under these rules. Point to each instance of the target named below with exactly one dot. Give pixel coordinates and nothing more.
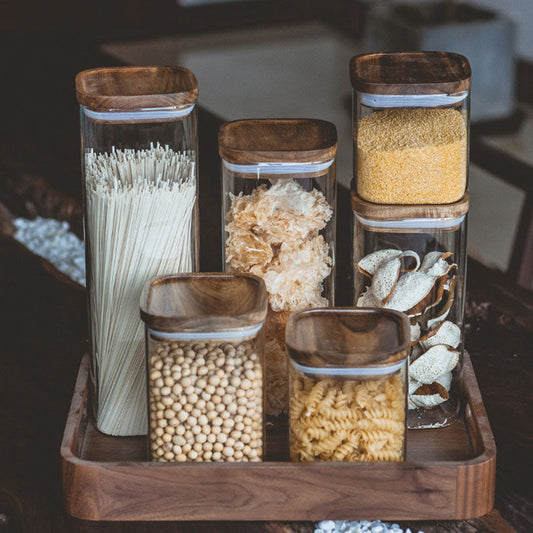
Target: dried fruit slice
(407, 261)
(443, 333)
(445, 380)
(385, 279)
(411, 289)
(437, 313)
(370, 264)
(431, 365)
(429, 396)
(433, 258)
(434, 296)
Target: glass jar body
(279, 224)
(347, 418)
(205, 397)
(418, 266)
(411, 149)
(141, 219)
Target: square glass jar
(348, 384)
(413, 259)
(411, 126)
(279, 200)
(204, 361)
(139, 165)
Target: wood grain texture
(348, 337)
(410, 73)
(203, 302)
(277, 140)
(127, 88)
(381, 212)
(446, 487)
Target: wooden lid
(348, 338)
(410, 73)
(390, 212)
(128, 88)
(204, 302)
(277, 140)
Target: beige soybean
(205, 402)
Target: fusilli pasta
(347, 420)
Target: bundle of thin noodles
(139, 216)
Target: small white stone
(327, 525)
(52, 240)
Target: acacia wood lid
(204, 302)
(410, 73)
(347, 338)
(277, 140)
(390, 212)
(128, 88)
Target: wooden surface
(449, 474)
(127, 88)
(348, 338)
(385, 213)
(40, 175)
(277, 140)
(194, 302)
(410, 73)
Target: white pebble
(51, 239)
(363, 526)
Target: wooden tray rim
(468, 469)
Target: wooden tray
(449, 474)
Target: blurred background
(283, 58)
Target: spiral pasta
(347, 420)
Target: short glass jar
(348, 384)
(279, 222)
(204, 357)
(413, 259)
(411, 126)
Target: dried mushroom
(438, 360)
(274, 233)
(423, 288)
(443, 333)
(370, 264)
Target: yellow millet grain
(412, 156)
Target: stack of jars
(410, 201)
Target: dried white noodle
(140, 206)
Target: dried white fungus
(53, 240)
(363, 526)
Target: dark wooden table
(44, 326)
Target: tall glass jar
(204, 357)
(413, 259)
(279, 222)
(348, 384)
(411, 127)
(139, 166)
